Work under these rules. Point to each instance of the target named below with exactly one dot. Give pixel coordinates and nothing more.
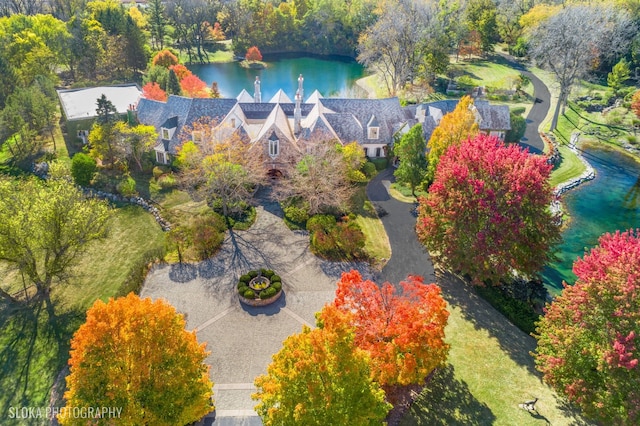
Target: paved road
(408, 256)
(538, 112)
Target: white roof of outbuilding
(79, 104)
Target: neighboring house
(280, 124)
(492, 119)
(79, 105)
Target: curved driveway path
(538, 112)
(408, 256)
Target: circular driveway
(242, 339)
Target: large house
(280, 124)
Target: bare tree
(393, 46)
(319, 176)
(572, 43)
(216, 165)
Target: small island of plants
(259, 287)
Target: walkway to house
(243, 339)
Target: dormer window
(233, 123)
(165, 134)
(274, 147)
(196, 136)
(373, 128)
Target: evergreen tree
(173, 85)
(106, 111)
(413, 160)
(157, 23)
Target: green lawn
(570, 168)
(377, 244)
(494, 72)
(403, 193)
(490, 371)
(35, 344)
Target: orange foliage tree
(153, 91)
(135, 353)
(454, 128)
(165, 58)
(253, 54)
(181, 71)
(402, 331)
(320, 377)
(635, 103)
(193, 87)
(216, 32)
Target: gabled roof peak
(280, 98)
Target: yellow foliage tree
(455, 127)
(320, 377)
(135, 354)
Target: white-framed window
(165, 134)
(366, 151)
(378, 152)
(233, 123)
(274, 148)
(373, 132)
(160, 157)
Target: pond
(608, 203)
(331, 76)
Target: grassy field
(377, 244)
(35, 342)
(403, 193)
(490, 371)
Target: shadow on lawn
(512, 340)
(447, 401)
(35, 346)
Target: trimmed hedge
(276, 278)
(249, 294)
(518, 312)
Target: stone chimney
(297, 111)
(256, 92)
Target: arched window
(274, 146)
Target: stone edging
(587, 175)
(164, 224)
(261, 302)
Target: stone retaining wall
(261, 302)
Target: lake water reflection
(330, 76)
(608, 203)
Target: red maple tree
(487, 213)
(588, 341)
(181, 71)
(194, 87)
(403, 331)
(153, 91)
(253, 54)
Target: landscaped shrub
(277, 285)
(127, 187)
(157, 172)
(267, 273)
(253, 274)
(207, 234)
(518, 110)
(321, 221)
(369, 169)
(167, 182)
(245, 278)
(356, 176)
(243, 289)
(380, 163)
(275, 278)
(518, 312)
(518, 127)
(249, 294)
(268, 292)
(296, 214)
(83, 167)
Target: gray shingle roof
(493, 117)
(256, 111)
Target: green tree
(588, 339)
(173, 85)
(618, 75)
(518, 127)
(135, 354)
(481, 16)
(45, 226)
(411, 149)
(320, 377)
(83, 167)
(157, 23)
(134, 141)
(106, 112)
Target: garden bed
(260, 287)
